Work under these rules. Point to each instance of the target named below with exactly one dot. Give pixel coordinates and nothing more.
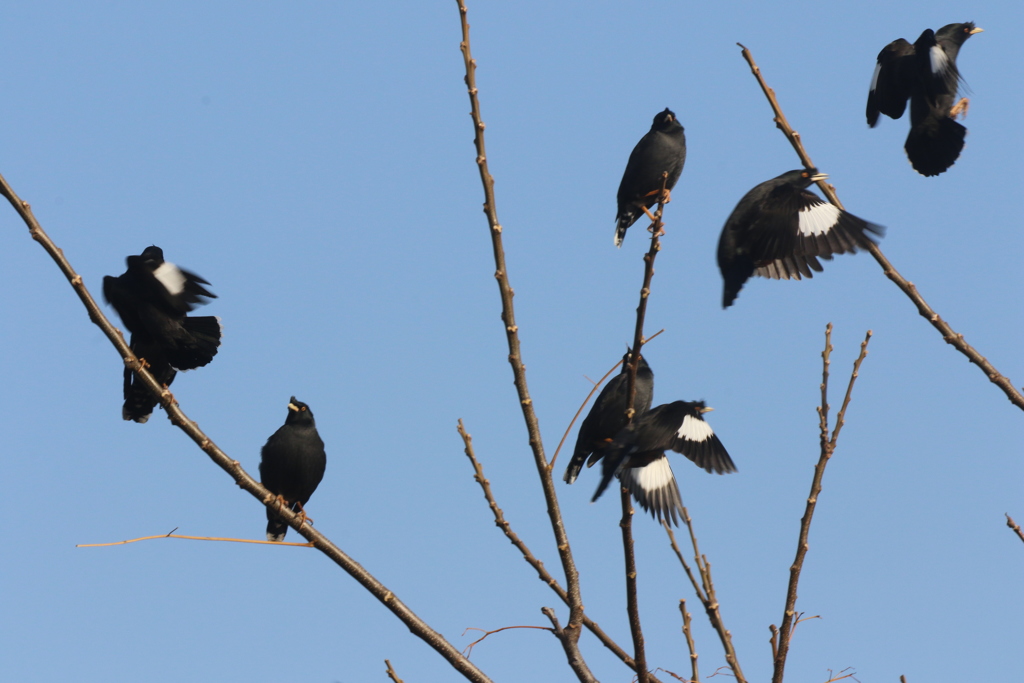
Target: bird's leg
(960, 108)
(303, 517)
(665, 198)
(649, 214)
(144, 364)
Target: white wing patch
(694, 429)
(939, 60)
(170, 277)
(818, 219)
(874, 78)
(655, 476)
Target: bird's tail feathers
(200, 345)
(934, 145)
(277, 528)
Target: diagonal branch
(705, 591)
(542, 573)
(949, 335)
(232, 466)
(828, 446)
(572, 581)
(1016, 527)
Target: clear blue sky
(314, 162)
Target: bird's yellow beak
(706, 409)
(292, 406)
(976, 29)
(819, 176)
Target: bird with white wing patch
(637, 455)
(153, 298)
(779, 230)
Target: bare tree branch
(694, 674)
(949, 335)
(657, 231)
(542, 573)
(632, 608)
(705, 591)
(232, 466)
(1016, 527)
(195, 538)
(572, 581)
(828, 446)
(468, 650)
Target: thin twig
(572, 652)
(593, 390)
(828, 447)
(391, 673)
(705, 590)
(232, 466)
(695, 675)
(833, 679)
(632, 608)
(542, 573)
(572, 580)
(949, 335)
(195, 538)
(468, 650)
(1016, 527)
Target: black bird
(662, 149)
(637, 455)
(779, 230)
(292, 465)
(153, 298)
(925, 73)
(608, 415)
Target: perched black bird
(608, 415)
(926, 73)
(292, 465)
(662, 149)
(637, 455)
(779, 230)
(153, 298)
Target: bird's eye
(303, 408)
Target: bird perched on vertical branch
(925, 73)
(292, 464)
(153, 298)
(780, 229)
(637, 456)
(607, 416)
(661, 150)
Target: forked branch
(542, 573)
(780, 646)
